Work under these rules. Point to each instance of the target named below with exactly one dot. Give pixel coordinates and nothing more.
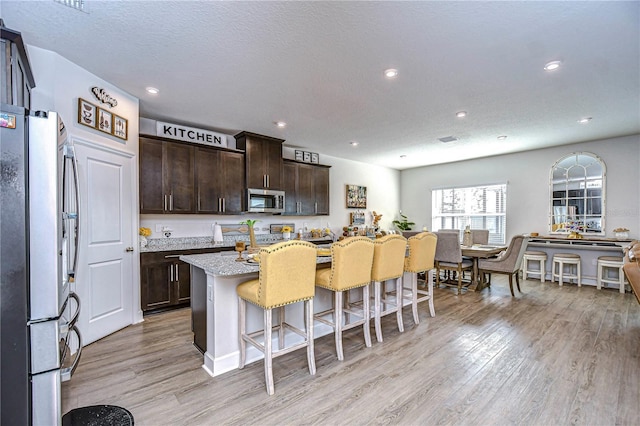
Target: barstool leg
(621, 279)
(560, 272)
(376, 309)
(414, 298)
(242, 309)
(311, 359)
(366, 312)
(399, 303)
(268, 350)
(599, 277)
(337, 318)
(543, 271)
(281, 328)
(579, 274)
(432, 311)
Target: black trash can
(98, 415)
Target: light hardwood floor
(548, 356)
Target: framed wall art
(87, 113)
(104, 120)
(356, 197)
(315, 158)
(120, 127)
(299, 155)
(356, 218)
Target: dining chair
(421, 259)
(351, 262)
(480, 236)
(508, 262)
(287, 275)
(448, 257)
(388, 264)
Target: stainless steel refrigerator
(39, 231)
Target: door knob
(128, 249)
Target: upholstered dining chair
(388, 264)
(480, 236)
(287, 275)
(507, 263)
(421, 259)
(448, 257)
(351, 262)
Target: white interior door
(105, 278)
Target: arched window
(577, 194)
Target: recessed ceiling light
(502, 137)
(461, 114)
(584, 120)
(353, 143)
(153, 90)
(552, 66)
(448, 139)
(280, 124)
(391, 73)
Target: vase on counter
(286, 235)
(252, 237)
(467, 238)
(143, 240)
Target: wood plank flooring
(548, 356)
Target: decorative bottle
(467, 240)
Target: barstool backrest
(287, 273)
(388, 257)
(422, 251)
(351, 261)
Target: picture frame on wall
(120, 127)
(87, 113)
(356, 196)
(315, 158)
(307, 157)
(299, 155)
(105, 119)
(356, 218)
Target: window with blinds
(480, 207)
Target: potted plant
(403, 224)
(252, 234)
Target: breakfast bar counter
(214, 278)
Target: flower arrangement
(145, 232)
(286, 228)
(621, 230)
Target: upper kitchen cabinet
(306, 189)
(15, 72)
(219, 181)
(263, 160)
(166, 177)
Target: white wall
(527, 176)
(382, 196)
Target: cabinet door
(306, 197)
(179, 177)
(273, 167)
(232, 179)
(155, 283)
(255, 164)
(182, 281)
(290, 178)
(151, 190)
(207, 181)
(321, 190)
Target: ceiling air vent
(75, 4)
(448, 139)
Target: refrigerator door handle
(66, 373)
(70, 154)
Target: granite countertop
(191, 243)
(224, 264)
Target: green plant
(403, 224)
(249, 222)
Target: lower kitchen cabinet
(165, 280)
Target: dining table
(480, 251)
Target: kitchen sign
(190, 134)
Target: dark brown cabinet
(263, 160)
(166, 177)
(219, 181)
(15, 71)
(307, 189)
(164, 281)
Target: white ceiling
(318, 66)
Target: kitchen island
(214, 278)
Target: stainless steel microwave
(265, 201)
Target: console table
(588, 249)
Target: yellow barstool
(287, 275)
(388, 264)
(422, 251)
(351, 261)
